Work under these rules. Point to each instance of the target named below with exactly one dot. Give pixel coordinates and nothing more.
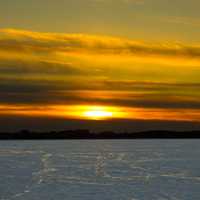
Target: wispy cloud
(26, 41)
(118, 93)
(47, 69)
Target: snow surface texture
(100, 170)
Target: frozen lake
(100, 170)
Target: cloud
(119, 93)
(71, 111)
(49, 43)
(51, 69)
(37, 67)
(149, 85)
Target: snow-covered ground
(100, 170)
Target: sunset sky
(99, 64)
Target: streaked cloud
(42, 43)
(138, 94)
(57, 71)
(76, 112)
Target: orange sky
(100, 60)
(65, 74)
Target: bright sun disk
(98, 113)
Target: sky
(99, 64)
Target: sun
(98, 113)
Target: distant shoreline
(86, 134)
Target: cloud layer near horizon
(45, 69)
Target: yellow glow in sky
(101, 112)
(94, 77)
(98, 113)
